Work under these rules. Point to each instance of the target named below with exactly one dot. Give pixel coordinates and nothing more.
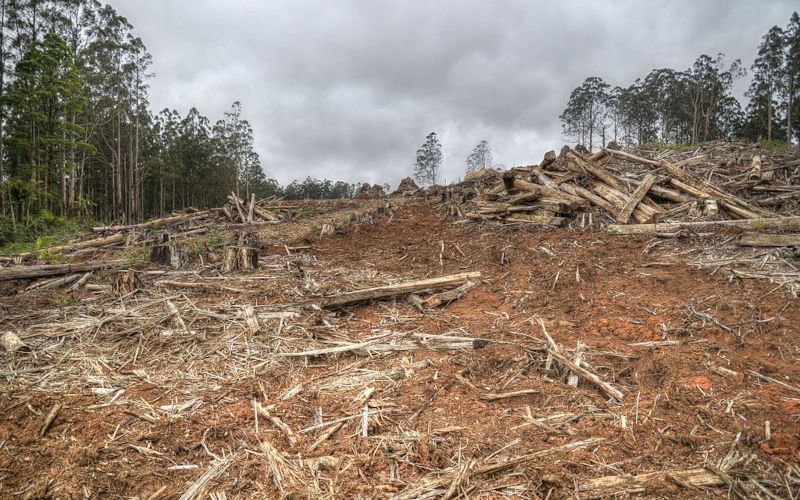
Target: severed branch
(591, 377)
(381, 292)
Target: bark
(403, 288)
(636, 197)
(94, 243)
(28, 272)
(783, 224)
(713, 192)
(769, 240)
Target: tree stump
(165, 253)
(240, 259)
(124, 282)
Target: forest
(77, 139)
(696, 104)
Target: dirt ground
(147, 411)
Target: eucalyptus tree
(768, 76)
(480, 157)
(429, 160)
(792, 75)
(586, 109)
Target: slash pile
(725, 184)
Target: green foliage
(140, 255)
(219, 240)
(662, 146)
(775, 146)
(62, 299)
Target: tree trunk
(769, 116)
(788, 111)
(118, 193)
(783, 223)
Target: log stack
(715, 182)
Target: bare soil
(146, 411)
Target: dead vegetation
(384, 349)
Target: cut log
(640, 192)
(597, 171)
(97, 242)
(12, 343)
(612, 486)
(251, 207)
(513, 182)
(449, 296)
(124, 282)
(28, 272)
(265, 214)
(755, 168)
(590, 196)
(394, 290)
(668, 194)
(714, 192)
(155, 223)
(642, 214)
(769, 240)
(547, 220)
(782, 223)
(549, 158)
(629, 156)
(710, 207)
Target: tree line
(695, 104)
(77, 137)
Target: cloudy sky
(348, 89)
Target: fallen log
(449, 296)
(588, 195)
(511, 181)
(640, 192)
(393, 290)
(642, 213)
(630, 156)
(586, 374)
(97, 242)
(714, 192)
(29, 272)
(597, 171)
(547, 220)
(154, 223)
(769, 240)
(785, 224)
(608, 486)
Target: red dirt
(594, 288)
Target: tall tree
(768, 77)
(585, 113)
(429, 160)
(480, 157)
(792, 74)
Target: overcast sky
(349, 89)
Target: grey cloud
(349, 89)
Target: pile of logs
(251, 211)
(655, 193)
